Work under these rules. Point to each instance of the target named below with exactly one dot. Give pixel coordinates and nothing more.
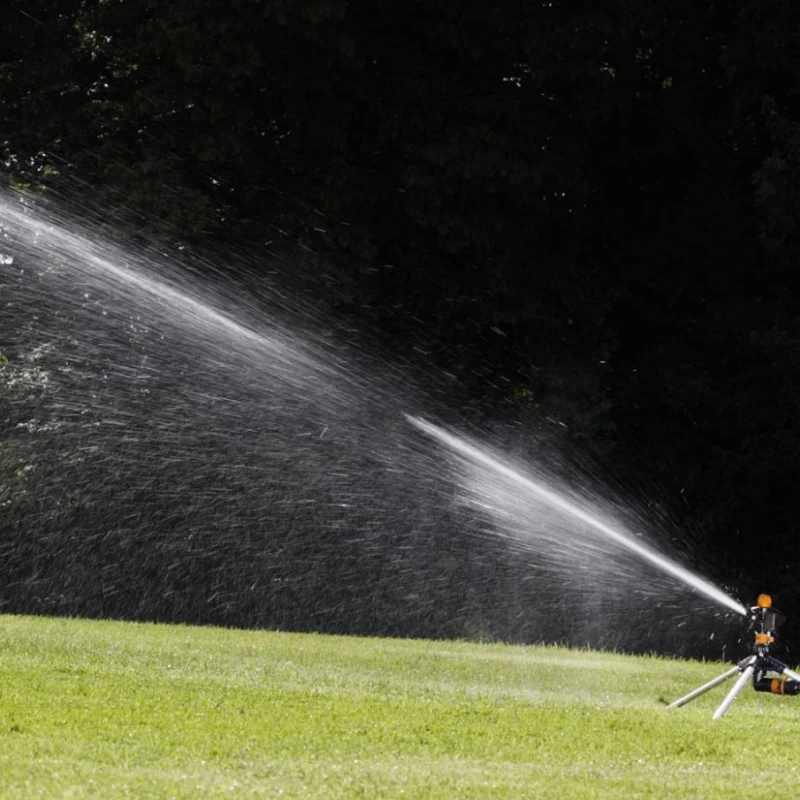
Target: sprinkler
(768, 673)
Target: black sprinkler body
(782, 685)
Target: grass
(114, 710)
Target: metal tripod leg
(737, 687)
(705, 687)
(790, 672)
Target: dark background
(596, 202)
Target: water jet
(186, 452)
(524, 483)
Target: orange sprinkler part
(778, 685)
(764, 639)
(764, 601)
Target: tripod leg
(791, 673)
(704, 688)
(774, 665)
(737, 687)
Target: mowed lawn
(103, 709)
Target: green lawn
(101, 709)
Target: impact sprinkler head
(766, 620)
(767, 672)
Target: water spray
(480, 456)
(768, 673)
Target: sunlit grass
(101, 709)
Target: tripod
(765, 620)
